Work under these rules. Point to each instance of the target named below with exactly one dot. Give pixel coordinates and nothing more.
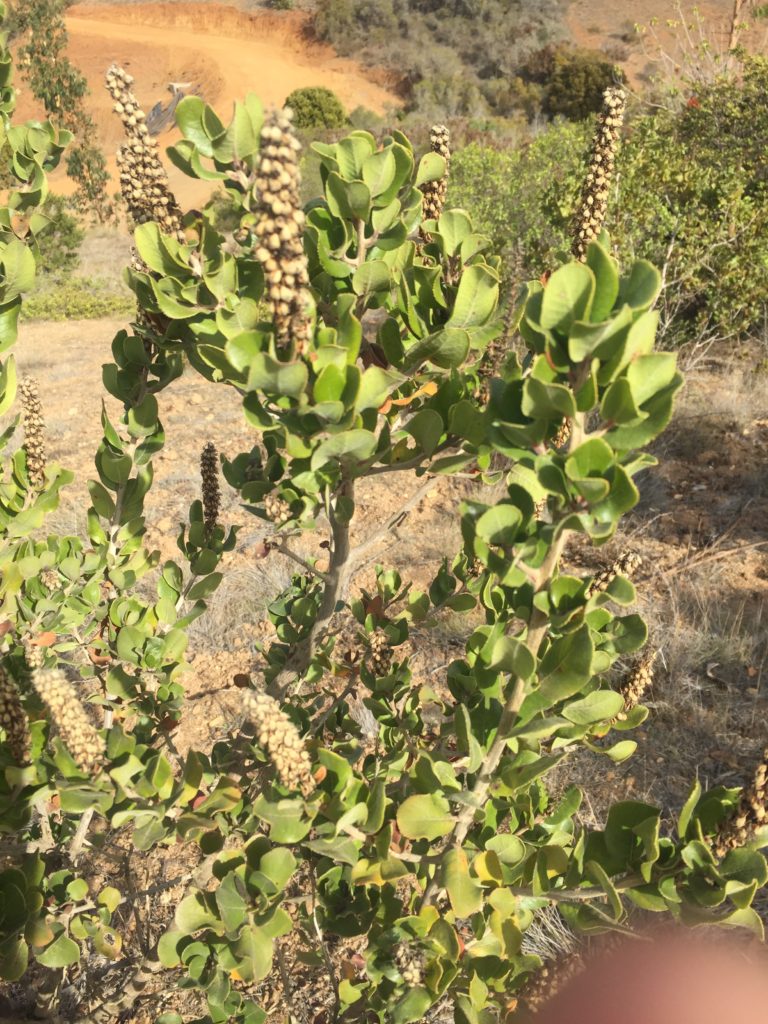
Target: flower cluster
(277, 509)
(626, 564)
(280, 738)
(751, 814)
(638, 682)
(435, 191)
(279, 230)
(12, 719)
(143, 179)
(381, 653)
(209, 472)
(34, 436)
(68, 715)
(594, 196)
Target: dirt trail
(228, 52)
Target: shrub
(693, 187)
(573, 80)
(316, 107)
(409, 826)
(78, 298)
(59, 245)
(60, 87)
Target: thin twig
(358, 553)
(282, 549)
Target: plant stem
(336, 582)
(483, 782)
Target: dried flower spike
(434, 192)
(143, 179)
(626, 564)
(348, 647)
(279, 248)
(638, 682)
(750, 815)
(594, 197)
(13, 719)
(209, 472)
(562, 434)
(34, 436)
(280, 739)
(68, 715)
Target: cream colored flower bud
(280, 739)
(76, 730)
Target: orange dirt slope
(227, 52)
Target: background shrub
(572, 80)
(59, 245)
(693, 201)
(78, 298)
(460, 54)
(316, 107)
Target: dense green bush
(573, 80)
(316, 107)
(693, 201)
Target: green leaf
(372, 277)
(465, 894)
(567, 297)
(14, 958)
(62, 952)
(620, 751)
(603, 267)
(231, 904)
(412, 1006)
(454, 226)
(287, 819)
(379, 172)
(595, 707)
(431, 168)
(348, 447)
(499, 524)
(167, 948)
(476, 298)
(425, 816)
(511, 655)
(427, 429)
(447, 348)
(198, 123)
(566, 666)
(194, 913)
(254, 952)
(686, 814)
(640, 288)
